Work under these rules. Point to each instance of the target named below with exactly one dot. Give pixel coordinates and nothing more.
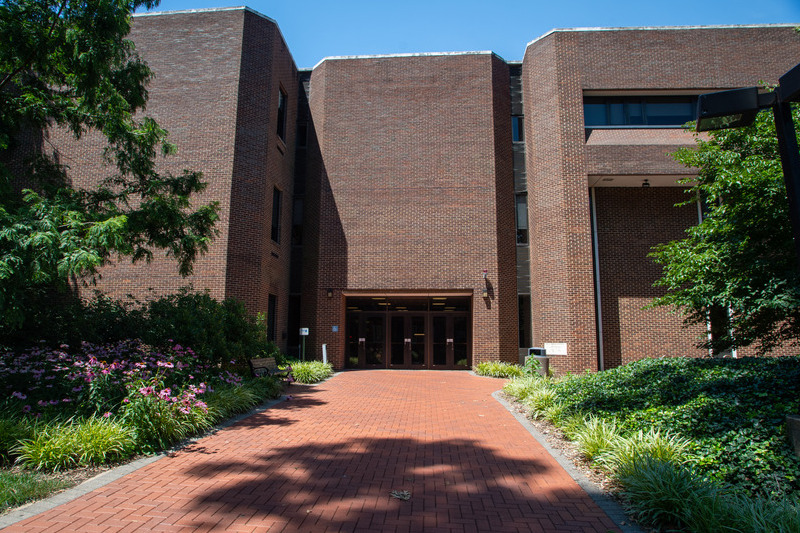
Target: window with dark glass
(282, 114)
(517, 134)
(642, 111)
(276, 214)
(522, 219)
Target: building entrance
(385, 332)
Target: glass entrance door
(450, 341)
(383, 332)
(408, 341)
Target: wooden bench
(267, 366)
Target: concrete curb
(608, 505)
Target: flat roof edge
(409, 54)
(205, 10)
(665, 28)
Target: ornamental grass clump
(499, 369)
(60, 446)
(653, 443)
(521, 387)
(311, 371)
(595, 436)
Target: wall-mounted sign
(335, 329)
(556, 348)
(303, 331)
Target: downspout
(598, 312)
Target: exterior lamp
(738, 107)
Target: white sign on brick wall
(556, 348)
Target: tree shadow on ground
(347, 486)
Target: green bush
(219, 332)
(499, 369)
(732, 410)
(93, 441)
(311, 371)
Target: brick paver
(328, 458)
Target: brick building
(438, 210)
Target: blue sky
(315, 28)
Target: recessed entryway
(408, 332)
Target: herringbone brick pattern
(328, 458)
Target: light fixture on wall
(330, 293)
(485, 292)
(646, 184)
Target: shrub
(311, 371)
(94, 441)
(499, 369)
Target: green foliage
(311, 371)
(12, 431)
(218, 332)
(94, 441)
(160, 419)
(17, 488)
(669, 495)
(653, 443)
(498, 369)
(672, 497)
(224, 402)
(595, 436)
(521, 387)
(738, 266)
(67, 64)
(732, 410)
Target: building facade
(439, 210)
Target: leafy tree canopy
(67, 64)
(737, 268)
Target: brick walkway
(327, 460)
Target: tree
(737, 268)
(67, 64)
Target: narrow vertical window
(276, 215)
(282, 114)
(517, 133)
(522, 219)
(272, 311)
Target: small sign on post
(303, 335)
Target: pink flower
(107, 414)
(19, 395)
(26, 409)
(146, 391)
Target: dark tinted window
(624, 111)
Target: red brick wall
(215, 91)
(557, 69)
(411, 184)
(257, 265)
(195, 58)
(630, 221)
(562, 293)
